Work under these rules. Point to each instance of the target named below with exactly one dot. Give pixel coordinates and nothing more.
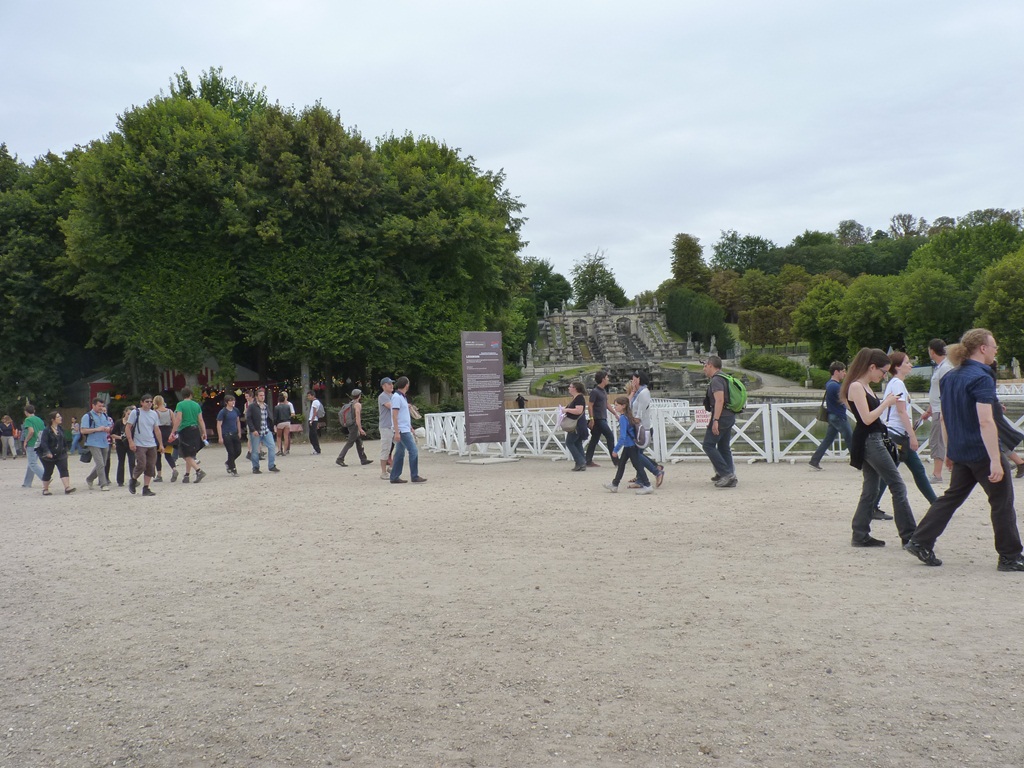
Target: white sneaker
(385, 476)
(644, 490)
(612, 487)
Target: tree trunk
(304, 368)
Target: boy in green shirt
(32, 429)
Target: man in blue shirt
(972, 454)
(838, 424)
(96, 428)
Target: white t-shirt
(891, 415)
(314, 409)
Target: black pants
(61, 465)
(1000, 498)
(122, 453)
(600, 428)
(314, 438)
(233, 445)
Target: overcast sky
(618, 125)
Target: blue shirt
(92, 420)
(833, 404)
(229, 421)
(626, 434)
(962, 389)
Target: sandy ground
(498, 615)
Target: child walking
(626, 448)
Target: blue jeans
(913, 462)
(878, 464)
(406, 442)
(254, 449)
(574, 443)
(837, 425)
(34, 468)
(717, 447)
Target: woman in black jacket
(53, 452)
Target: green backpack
(737, 399)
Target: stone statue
(714, 346)
(689, 344)
(1015, 367)
(547, 309)
(522, 363)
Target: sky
(617, 125)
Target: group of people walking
(632, 413)
(970, 436)
(146, 437)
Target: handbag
(823, 411)
(85, 458)
(890, 446)
(568, 423)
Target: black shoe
(1020, 470)
(273, 469)
(923, 554)
(399, 480)
(812, 465)
(340, 463)
(879, 514)
(1011, 563)
(868, 542)
(185, 480)
(132, 485)
(147, 492)
(419, 479)
(364, 462)
(715, 477)
(200, 475)
(256, 471)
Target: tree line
(849, 288)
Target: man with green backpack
(726, 396)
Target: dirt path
(499, 615)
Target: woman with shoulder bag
(869, 451)
(577, 409)
(53, 453)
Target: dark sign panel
(483, 386)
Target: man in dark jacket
(260, 420)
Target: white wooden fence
(764, 432)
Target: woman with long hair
(574, 439)
(868, 451)
(121, 446)
(53, 452)
(901, 429)
(626, 448)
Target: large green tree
(927, 304)
(312, 289)
(591, 277)
(967, 249)
(733, 251)
(546, 286)
(449, 237)
(866, 319)
(817, 319)
(150, 242)
(1000, 304)
(688, 267)
(40, 327)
